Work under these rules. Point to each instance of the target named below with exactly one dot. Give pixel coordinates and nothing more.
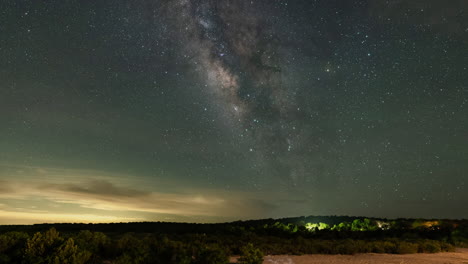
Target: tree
(316, 226)
(68, 253)
(51, 248)
(363, 225)
(41, 246)
(12, 246)
(132, 249)
(96, 243)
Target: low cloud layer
(100, 200)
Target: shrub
(430, 246)
(250, 255)
(132, 250)
(447, 247)
(173, 252)
(51, 248)
(383, 247)
(96, 243)
(40, 247)
(404, 247)
(92, 241)
(346, 247)
(212, 255)
(68, 253)
(12, 246)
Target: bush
(96, 243)
(404, 247)
(12, 246)
(250, 255)
(68, 253)
(212, 255)
(51, 248)
(173, 252)
(347, 247)
(383, 247)
(430, 246)
(132, 250)
(41, 246)
(446, 247)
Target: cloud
(4, 187)
(13, 217)
(98, 187)
(104, 198)
(104, 195)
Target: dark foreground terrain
(184, 243)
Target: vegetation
(179, 243)
(250, 255)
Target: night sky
(208, 111)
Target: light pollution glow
(64, 195)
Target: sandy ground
(458, 257)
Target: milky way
(238, 51)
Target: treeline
(141, 243)
(88, 247)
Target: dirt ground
(458, 257)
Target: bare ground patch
(458, 257)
